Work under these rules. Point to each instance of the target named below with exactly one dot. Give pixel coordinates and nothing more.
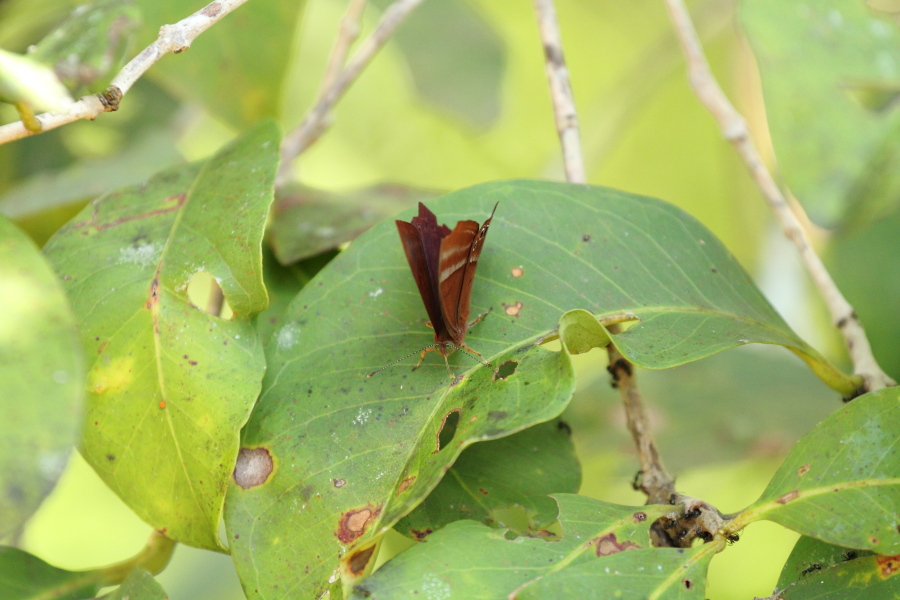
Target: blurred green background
(460, 97)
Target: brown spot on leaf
(803, 470)
(639, 517)
(888, 566)
(792, 495)
(339, 482)
(512, 309)
(608, 544)
(483, 491)
(253, 467)
(585, 238)
(688, 584)
(404, 485)
(154, 294)
(358, 560)
(517, 272)
(353, 523)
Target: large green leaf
(170, 385)
(520, 470)
(604, 548)
(841, 483)
(41, 378)
(24, 577)
(228, 70)
(339, 451)
(822, 64)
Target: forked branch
(318, 118)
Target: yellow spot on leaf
(116, 376)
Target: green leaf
(839, 153)
(604, 543)
(91, 45)
(139, 585)
(306, 221)
(520, 470)
(24, 577)
(282, 284)
(819, 571)
(810, 557)
(580, 331)
(841, 483)
(44, 202)
(41, 378)
(673, 573)
(350, 455)
(228, 69)
(170, 385)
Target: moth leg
(422, 356)
(479, 318)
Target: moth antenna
(399, 360)
(473, 354)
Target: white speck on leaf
(142, 254)
(287, 337)
(376, 293)
(434, 588)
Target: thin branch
(735, 130)
(654, 480)
(172, 38)
(349, 31)
(317, 120)
(560, 91)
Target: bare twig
(655, 480)
(349, 31)
(316, 121)
(172, 38)
(560, 91)
(735, 130)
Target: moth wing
(458, 259)
(415, 245)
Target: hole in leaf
(204, 293)
(506, 369)
(448, 429)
